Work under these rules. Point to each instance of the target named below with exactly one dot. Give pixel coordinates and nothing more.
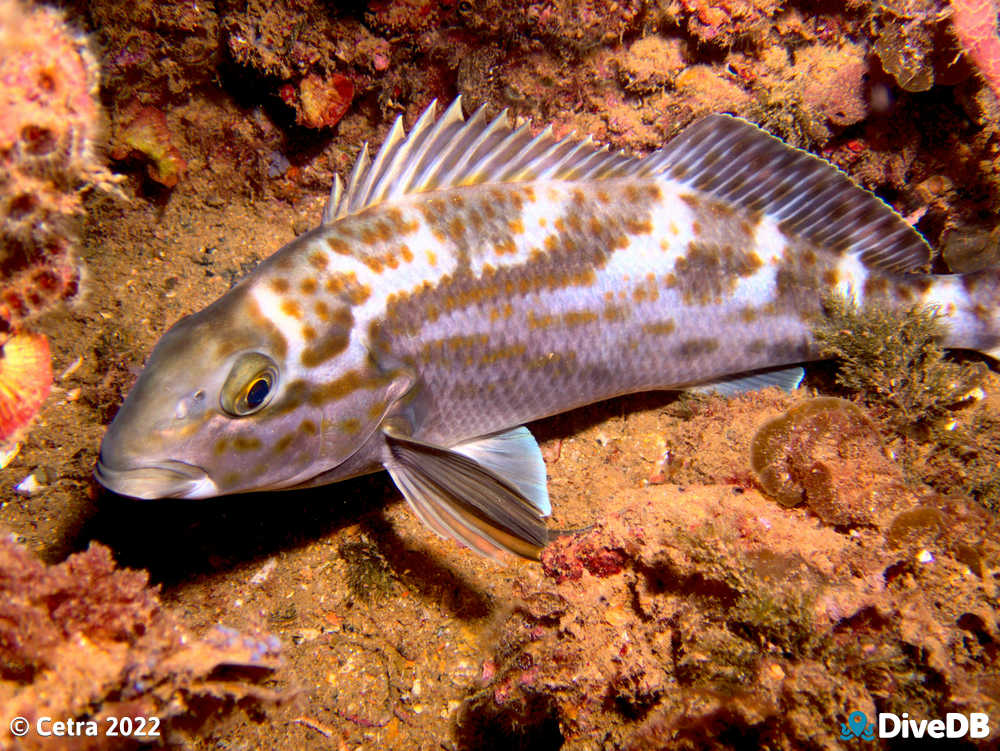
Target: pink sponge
(975, 24)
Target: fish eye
(258, 392)
(250, 384)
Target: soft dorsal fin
(740, 164)
(449, 151)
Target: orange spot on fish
(338, 245)
(579, 317)
(505, 247)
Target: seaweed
(369, 575)
(84, 640)
(895, 359)
(970, 454)
(776, 595)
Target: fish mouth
(166, 479)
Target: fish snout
(135, 457)
(166, 478)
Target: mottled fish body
(473, 278)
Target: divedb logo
(889, 725)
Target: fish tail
(971, 304)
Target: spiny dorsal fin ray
(394, 142)
(450, 147)
(723, 156)
(329, 211)
(737, 162)
(340, 197)
(439, 134)
(406, 154)
(449, 151)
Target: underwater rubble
(85, 641)
(715, 616)
(743, 572)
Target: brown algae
(828, 453)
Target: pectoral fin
(460, 493)
(513, 455)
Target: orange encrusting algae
(25, 381)
(49, 120)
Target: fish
(473, 277)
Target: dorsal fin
(450, 151)
(723, 156)
(737, 162)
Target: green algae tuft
(895, 360)
(369, 575)
(971, 455)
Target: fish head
(219, 408)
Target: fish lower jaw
(169, 479)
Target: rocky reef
(739, 572)
(839, 78)
(49, 118)
(978, 32)
(714, 616)
(84, 641)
